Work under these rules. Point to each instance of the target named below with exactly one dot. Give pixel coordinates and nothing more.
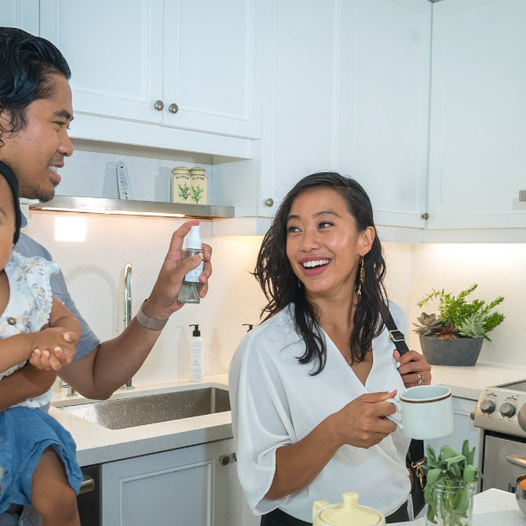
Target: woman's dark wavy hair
(282, 288)
(26, 62)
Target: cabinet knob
(425, 216)
(224, 459)
(269, 202)
(159, 105)
(173, 108)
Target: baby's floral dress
(26, 430)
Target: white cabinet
(300, 117)
(184, 486)
(478, 114)
(384, 106)
(464, 429)
(188, 64)
(20, 13)
(345, 88)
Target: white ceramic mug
(426, 410)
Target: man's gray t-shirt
(29, 248)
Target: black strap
(415, 455)
(397, 336)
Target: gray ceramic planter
(461, 351)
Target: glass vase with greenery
(451, 484)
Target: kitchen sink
(150, 409)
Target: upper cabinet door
(23, 14)
(115, 53)
(301, 73)
(385, 95)
(190, 64)
(478, 114)
(212, 65)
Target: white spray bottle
(191, 286)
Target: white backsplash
(93, 270)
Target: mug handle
(396, 403)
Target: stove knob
(487, 406)
(522, 417)
(507, 409)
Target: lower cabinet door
(238, 512)
(184, 486)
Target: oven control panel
(502, 410)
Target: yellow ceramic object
(346, 514)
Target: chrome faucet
(127, 306)
(70, 390)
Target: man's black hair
(26, 62)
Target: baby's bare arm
(14, 350)
(60, 353)
(61, 316)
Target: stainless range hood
(99, 205)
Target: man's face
(38, 150)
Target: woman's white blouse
(275, 402)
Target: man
(35, 111)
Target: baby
(37, 455)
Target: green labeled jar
(180, 187)
(199, 185)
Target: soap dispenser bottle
(191, 286)
(196, 355)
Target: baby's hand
(53, 348)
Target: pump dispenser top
(194, 240)
(196, 332)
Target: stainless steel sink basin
(150, 409)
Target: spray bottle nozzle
(196, 331)
(193, 241)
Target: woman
(309, 385)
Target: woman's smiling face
(323, 243)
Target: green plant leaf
(452, 463)
(432, 475)
(470, 473)
(446, 452)
(463, 504)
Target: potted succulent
(455, 335)
(451, 484)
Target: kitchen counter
(97, 444)
(492, 507)
(467, 382)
